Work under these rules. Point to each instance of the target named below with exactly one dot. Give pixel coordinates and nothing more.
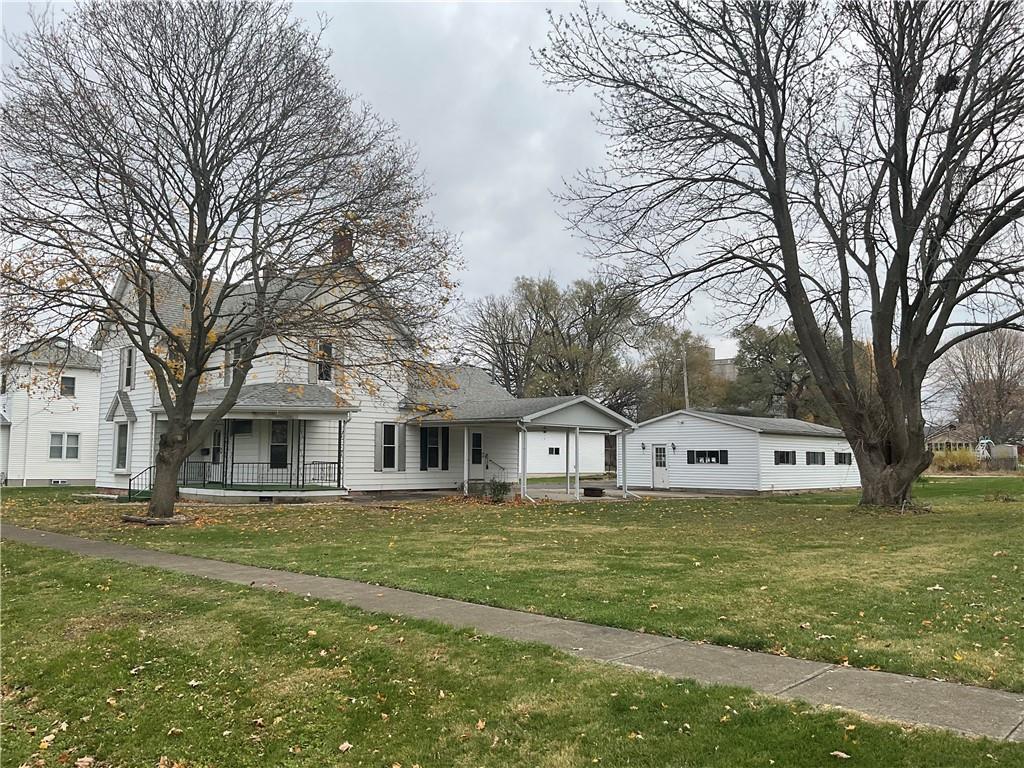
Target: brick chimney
(342, 245)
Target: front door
(659, 474)
(476, 456)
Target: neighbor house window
(815, 458)
(554, 450)
(842, 457)
(325, 361)
(63, 445)
(389, 446)
(433, 448)
(127, 367)
(278, 444)
(241, 427)
(707, 457)
(121, 447)
(477, 448)
(785, 457)
(215, 450)
(67, 386)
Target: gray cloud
(494, 140)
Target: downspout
(28, 422)
(522, 464)
(341, 442)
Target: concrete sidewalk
(966, 709)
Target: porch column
(522, 463)
(567, 462)
(465, 461)
(337, 469)
(577, 463)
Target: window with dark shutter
(434, 446)
(389, 446)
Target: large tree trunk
(888, 483)
(165, 483)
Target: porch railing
(260, 474)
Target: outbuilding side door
(659, 469)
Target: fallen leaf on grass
(344, 746)
(481, 724)
(85, 762)
(175, 732)
(840, 755)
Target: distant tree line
(592, 338)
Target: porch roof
(566, 411)
(276, 397)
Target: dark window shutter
(723, 457)
(444, 447)
(423, 449)
(690, 458)
(378, 446)
(400, 440)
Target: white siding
(37, 412)
(787, 477)
(690, 433)
(540, 461)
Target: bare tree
(860, 164)
(192, 176)
(543, 339)
(986, 375)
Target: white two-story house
(49, 415)
(297, 432)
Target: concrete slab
(727, 666)
(964, 708)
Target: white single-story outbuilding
(698, 450)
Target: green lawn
(134, 667)
(939, 594)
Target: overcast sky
(494, 140)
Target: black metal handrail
(140, 482)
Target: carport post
(465, 461)
(567, 462)
(522, 463)
(625, 482)
(577, 452)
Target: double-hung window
(815, 458)
(325, 361)
(433, 448)
(843, 457)
(121, 437)
(64, 445)
(67, 386)
(127, 368)
(389, 446)
(476, 455)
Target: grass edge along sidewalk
(975, 711)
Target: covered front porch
(278, 441)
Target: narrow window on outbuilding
(554, 450)
(707, 457)
(785, 457)
(843, 457)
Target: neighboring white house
(697, 450)
(297, 430)
(49, 400)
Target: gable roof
(523, 409)
(472, 384)
(764, 424)
(121, 398)
(56, 352)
